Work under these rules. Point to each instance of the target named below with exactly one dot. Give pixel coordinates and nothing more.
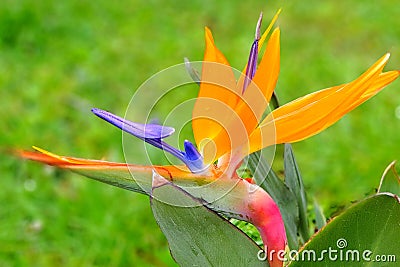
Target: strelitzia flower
(229, 124)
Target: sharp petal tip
(97, 111)
(258, 27)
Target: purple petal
(153, 134)
(252, 62)
(251, 65)
(193, 158)
(143, 131)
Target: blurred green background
(60, 58)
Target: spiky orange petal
(266, 32)
(217, 95)
(73, 163)
(311, 114)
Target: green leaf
(228, 197)
(366, 231)
(320, 218)
(390, 181)
(194, 74)
(122, 177)
(274, 101)
(197, 236)
(295, 183)
(266, 178)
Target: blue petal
(143, 131)
(153, 134)
(252, 63)
(193, 158)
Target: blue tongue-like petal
(142, 131)
(153, 134)
(194, 160)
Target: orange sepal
(313, 113)
(170, 172)
(217, 95)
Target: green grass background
(60, 58)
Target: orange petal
(218, 93)
(383, 80)
(62, 161)
(258, 93)
(105, 170)
(311, 114)
(251, 106)
(212, 53)
(265, 34)
(260, 45)
(267, 73)
(220, 115)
